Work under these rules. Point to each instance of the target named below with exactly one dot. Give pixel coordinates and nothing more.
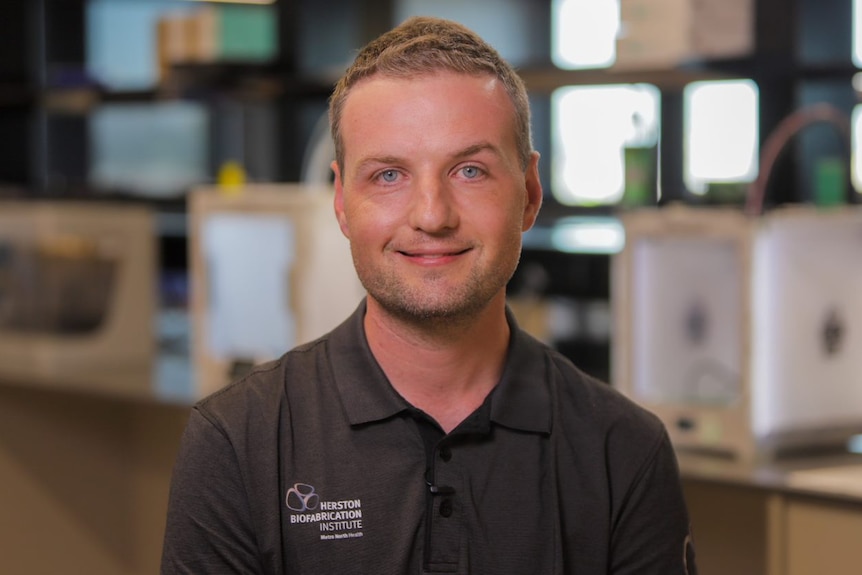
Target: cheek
(366, 225)
(505, 218)
(373, 216)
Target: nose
(433, 209)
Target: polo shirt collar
(366, 393)
(521, 401)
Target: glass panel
(687, 320)
(150, 149)
(593, 128)
(720, 134)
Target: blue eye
(389, 176)
(471, 172)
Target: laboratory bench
(792, 516)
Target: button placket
(445, 530)
(445, 508)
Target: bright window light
(584, 33)
(857, 33)
(592, 127)
(721, 133)
(856, 169)
(588, 235)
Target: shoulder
(257, 398)
(595, 407)
(598, 423)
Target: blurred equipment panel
(270, 269)
(743, 334)
(77, 294)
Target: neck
(445, 369)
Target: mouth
(433, 256)
(434, 253)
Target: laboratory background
(699, 247)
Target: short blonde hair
(423, 45)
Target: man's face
(432, 195)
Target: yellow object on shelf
(231, 178)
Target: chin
(424, 310)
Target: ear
(339, 200)
(533, 192)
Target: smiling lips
(433, 256)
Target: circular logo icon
(301, 497)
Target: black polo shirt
(314, 464)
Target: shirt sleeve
(209, 528)
(652, 534)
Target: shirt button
(446, 507)
(445, 453)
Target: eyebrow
(476, 148)
(377, 160)
(470, 150)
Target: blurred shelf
(548, 78)
(192, 81)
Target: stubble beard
(429, 304)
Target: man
(427, 434)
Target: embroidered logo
(341, 519)
(301, 497)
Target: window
(856, 135)
(857, 33)
(720, 134)
(594, 129)
(584, 33)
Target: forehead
(435, 107)
(470, 85)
